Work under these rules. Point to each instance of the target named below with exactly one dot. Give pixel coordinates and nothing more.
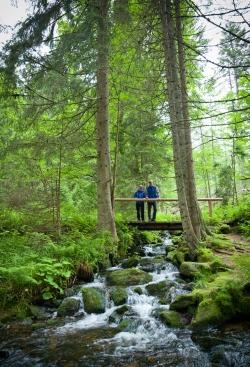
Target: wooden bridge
(168, 226)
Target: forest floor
(241, 246)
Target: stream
(96, 340)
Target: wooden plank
(157, 226)
(164, 199)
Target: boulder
(191, 269)
(184, 301)
(68, 307)
(128, 277)
(119, 296)
(130, 262)
(93, 300)
(138, 290)
(171, 318)
(151, 264)
(117, 315)
(160, 290)
(208, 313)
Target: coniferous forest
(125, 183)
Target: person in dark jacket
(140, 194)
(152, 192)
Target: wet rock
(94, 300)
(171, 318)
(160, 290)
(38, 313)
(118, 314)
(191, 269)
(119, 296)
(128, 277)
(68, 307)
(208, 313)
(150, 264)
(183, 301)
(4, 354)
(138, 290)
(125, 325)
(69, 292)
(130, 262)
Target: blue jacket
(152, 192)
(140, 194)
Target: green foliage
(33, 266)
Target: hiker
(152, 192)
(140, 194)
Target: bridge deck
(157, 226)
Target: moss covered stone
(138, 290)
(184, 301)
(191, 269)
(68, 307)
(171, 318)
(131, 262)
(93, 300)
(119, 296)
(128, 277)
(160, 289)
(208, 313)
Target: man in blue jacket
(152, 192)
(140, 194)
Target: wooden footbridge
(166, 226)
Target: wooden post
(210, 208)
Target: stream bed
(96, 339)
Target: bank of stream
(132, 333)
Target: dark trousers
(140, 210)
(150, 205)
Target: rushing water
(93, 340)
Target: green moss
(68, 307)
(127, 277)
(131, 262)
(93, 300)
(218, 241)
(191, 269)
(119, 296)
(171, 318)
(208, 313)
(183, 301)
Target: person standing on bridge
(140, 194)
(152, 193)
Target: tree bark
(179, 118)
(104, 208)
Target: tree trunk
(190, 186)
(104, 208)
(181, 135)
(118, 124)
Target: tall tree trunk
(118, 124)
(190, 186)
(104, 207)
(176, 118)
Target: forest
(98, 98)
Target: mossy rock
(119, 296)
(191, 269)
(208, 313)
(118, 314)
(94, 300)
(131, 262)
(243, 306)
(224, 228)
(125, 325)
(171, 318)
(150, 264)
(128, 277)
(37, 312)
(184, 301)
(177, 256)
(160, 289)
(138, 290)
(68, 307)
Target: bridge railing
(210, 201)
